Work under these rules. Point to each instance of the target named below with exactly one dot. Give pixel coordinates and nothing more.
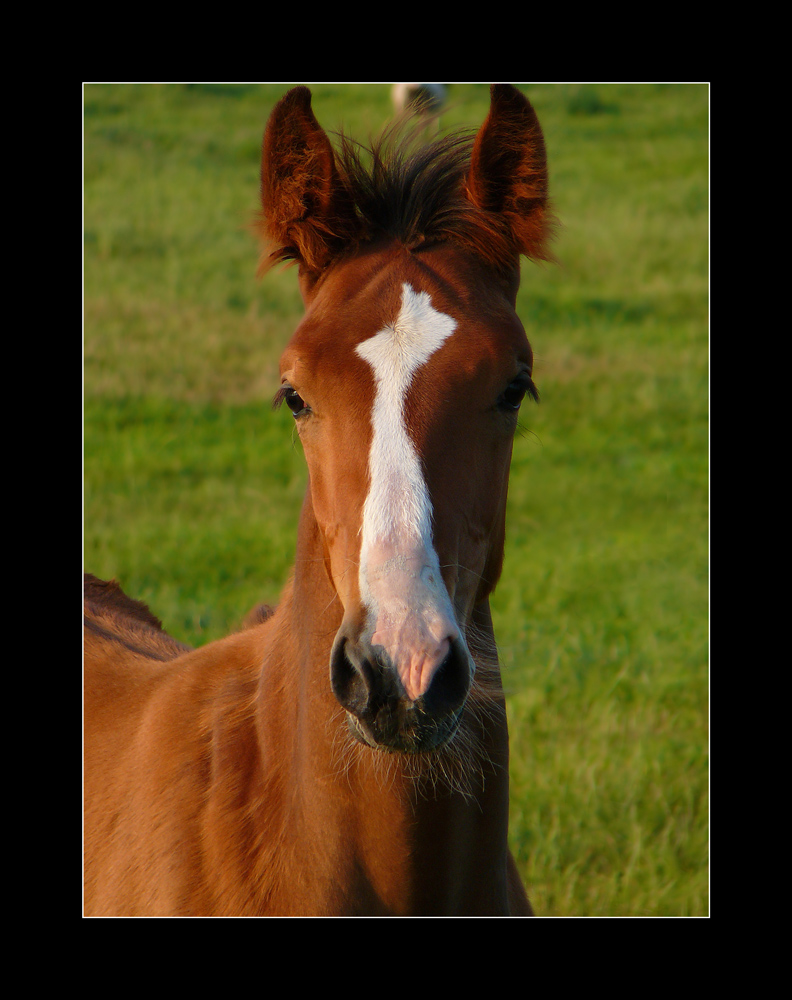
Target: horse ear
(306, 212)
(508, 171)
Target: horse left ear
(306, 211)
(508, 171)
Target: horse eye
(516, 392)
(295, 402)
(513, 396)
(292, 399)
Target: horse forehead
(400, 323)
(408, 341)
(429, 335)
(390, 328)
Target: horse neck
(357, 819)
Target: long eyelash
(280, 396)
(531, 390)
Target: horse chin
(423, 736)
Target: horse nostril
(451, 682)
(351, 677)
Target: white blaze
(409, 609)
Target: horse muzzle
(380, 711)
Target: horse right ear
(307, 214)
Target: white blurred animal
(430, 97)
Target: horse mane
(410, 191)
(415, 193)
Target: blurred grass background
(192, 486)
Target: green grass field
(193, 486)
